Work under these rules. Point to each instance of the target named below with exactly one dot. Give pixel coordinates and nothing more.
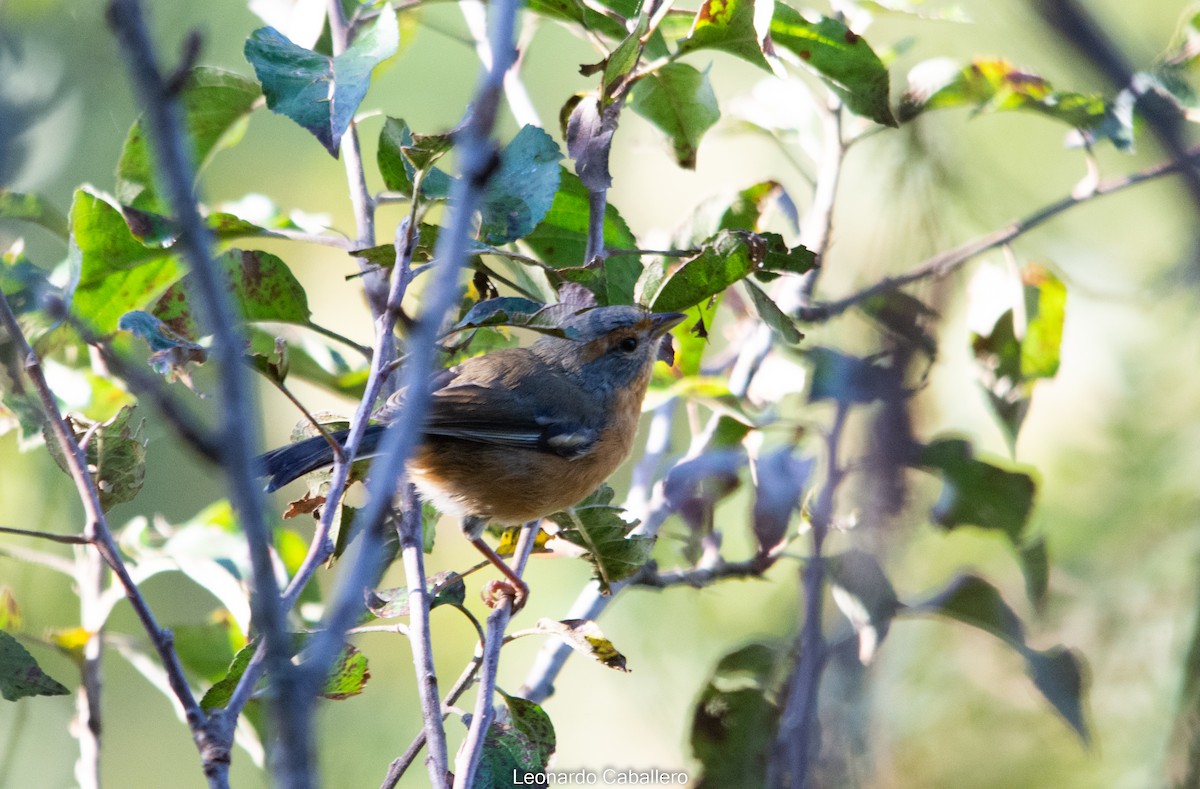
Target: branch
(238, 431)
(467, 762)
(478, 156)
(65, 539)
(796, 748)
(413, 554)
(97, 532)
(951, 260)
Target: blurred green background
(1115, 437)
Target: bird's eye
(628, 345)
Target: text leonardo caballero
(609, 776)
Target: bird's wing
(523, 404)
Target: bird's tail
(281, 466)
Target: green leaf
(20, 674)
(1035, 566)
(973, 601)
(577, 13)
(865, 595)
(221, 691)
(521, 190)
(975, 492)
(1057, 672)
(316, 91)
(752, 204)
(679, 100)
(584, 636)
(726, 258)
(731, 26)
(841, 56)
(998, 86)
(604, 535)
(444, 588)
(622, 60)
(32, 208)
(531, 720)
(117, 273)
(508, 759)
(262, 286)
(1045, 309)
(734, 724)
(770, 314)
(207, 650)
(348, 675)
(216, 105)
(115, 452)
(401, 154)
(560, 240)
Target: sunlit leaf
(731, 26)
(583, 635)
(997, 85)
(117, 273)
(726, 258)
(348, 675)
(841, 56)
(261, 285)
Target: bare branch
(66, 539)
(944, 263)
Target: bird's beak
(663, 322)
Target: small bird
(519, 433)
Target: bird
(519, 433)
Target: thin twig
(374, 281)
(66, 539)
(944, 263)
(413, 555)
(89, 579)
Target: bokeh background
(1115, 437)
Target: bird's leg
(473, 527)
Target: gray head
(611, 347)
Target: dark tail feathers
(281, 466)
